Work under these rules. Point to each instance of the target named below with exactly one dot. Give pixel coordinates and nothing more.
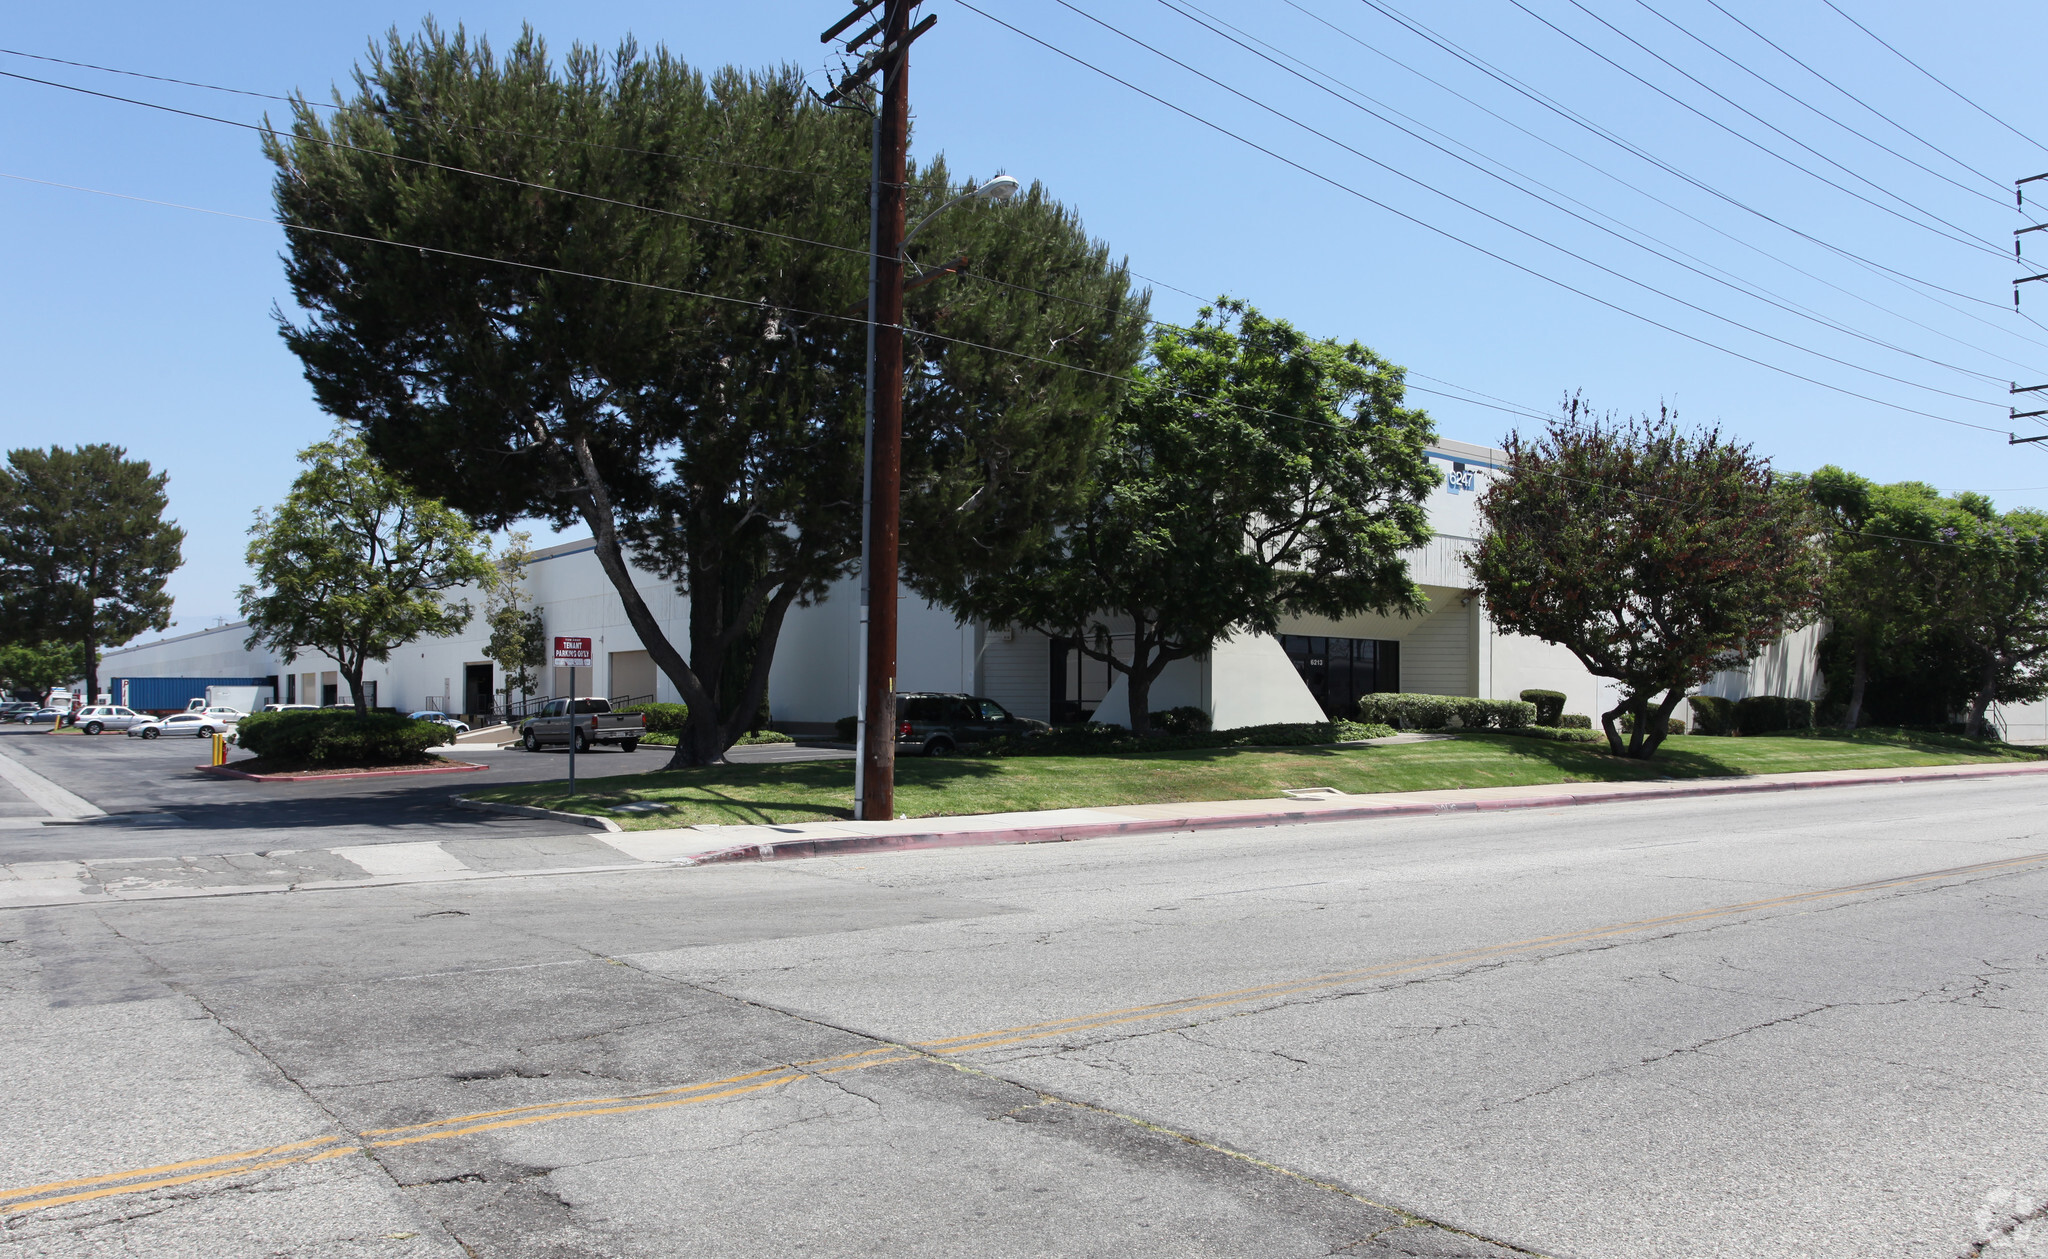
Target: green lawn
(820, 790)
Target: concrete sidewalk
(699, 845)
(99, 881)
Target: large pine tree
(85, 550)
(675, 357)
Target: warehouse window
(1339, 670)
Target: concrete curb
(527, 810)
(223, 771)
(844, 845)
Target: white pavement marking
(43, 793)
(390, 859)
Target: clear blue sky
(153, 327)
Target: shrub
(1764, 714)
(1100, 740)
(758, 737)
(1626, 723)
(1186, 719)
(1438, 712)
(1559, 734)
(1575, 721)
(662, 718)
(1549, 706)
(339, 739)
(1712, 715)
(846, 729)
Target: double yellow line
(319, 1149)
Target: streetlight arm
(1001, 188)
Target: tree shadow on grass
(1593, 760)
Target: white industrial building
(1453, 649)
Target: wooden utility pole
(875, 792)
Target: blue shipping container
(158, 695)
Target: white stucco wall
(1246, 680)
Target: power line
(1526, 412)
(386, 108)
(300, 101)
(1788, 94)
(1516, 85)
(753, 303)
(1317, 175)
(1962, 237)
(1881, 272)
(1739, 285)
(1852, 96)
(1931, 75)
(1482, 213)
(428, 162)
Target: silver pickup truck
(593, 722)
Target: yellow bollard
(220, 749)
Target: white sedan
(456, 724)
(198, 725)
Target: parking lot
(159, 804)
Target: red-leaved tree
(1656, 556)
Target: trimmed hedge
(1712, 715)
(338, 738)
(1186, 719)
(1559, 734)
(1574, 721)
(1438, 712)
(1767, 714)
(1549, 706)
(666, 739)
(846, 729)
(662, 718)
(1626, 723)
(1094, 739)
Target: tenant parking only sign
(572, 653)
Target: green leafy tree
(354, 564)
(702, 416)
(1995, 588)
(1884, 564)
(518, 643)
(1254, 472)
(38, 667)
(1658, 557)
(85, 550)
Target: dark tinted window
(922, 708)
(593, 705)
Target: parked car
(221, 713)
(593, 722)
(43, 716)
(455, 724)
(291, 708)
(933, 723)
(102, 717)
(198, 725)
(16, 709)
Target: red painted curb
(850, 844)
(222, 771)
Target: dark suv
(933, 724)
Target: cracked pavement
(1673, 1028)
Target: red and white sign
(572, 653)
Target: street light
(879, 518)
(1001, 188)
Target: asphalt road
(1795, 1025)
(159, 805)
